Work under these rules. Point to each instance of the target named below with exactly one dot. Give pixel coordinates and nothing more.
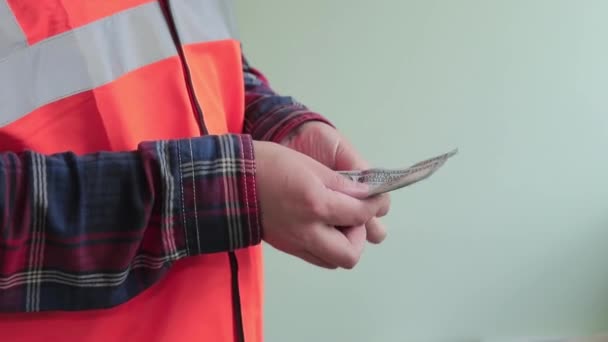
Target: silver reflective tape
(203, 20)
(82, 59)
(11, 35)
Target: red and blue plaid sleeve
(92, 231)
(268, 115)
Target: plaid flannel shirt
(93, 231)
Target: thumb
(347, 158)
(337, 182)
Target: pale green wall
(511, 236)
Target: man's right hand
(302, 202)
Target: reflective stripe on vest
(82, 60)
(216, 14)
(11, 36)
(86, 76)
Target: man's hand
(302, 202)
(326, 145)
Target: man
(143, 161)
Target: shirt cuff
(284, 122)
(215, 200)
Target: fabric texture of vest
(106, 75)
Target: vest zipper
(236, 299)
(166, 7)
(234, 265)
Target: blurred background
(510, 237)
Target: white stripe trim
(86, 280)
(34, 218)
(238, 229)
(235, 166)
(219, 166)
(167, 233)
(181, 189)
(219, 161)
(218, 171)
(196, 227)
(230, 193)
(36, 257)
(43, 216)
(223, 150)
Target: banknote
(384, 180)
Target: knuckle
(318, 208)
(314, 203)
(305, 240)
(362, 217)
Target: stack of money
(385, 180)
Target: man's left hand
(326, 145)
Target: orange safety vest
(93, 75)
